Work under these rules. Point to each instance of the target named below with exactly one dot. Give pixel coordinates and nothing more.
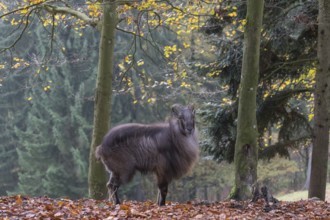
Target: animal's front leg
(162, 193)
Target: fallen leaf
(138, 214)
(19, 200)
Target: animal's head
(186, 118)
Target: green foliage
(277, 174)
(9, 118)
(208, 181)
(13, 112)
(53, 157)
(287, 58)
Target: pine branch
(281, 148)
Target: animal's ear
(192, 108)
(176, 110)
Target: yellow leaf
(129, 82)
(186, 45)
(121, 66)
(140, 62)
(3, 6)
(185, 85)
(174, 48)
(312, 72)
(310, 117)
(16, 66)
(47, 22)
(243, 22)
(128, 59)
(35, 1)
(13, 22)
(24, 11)
(233, 14)
(129, 20)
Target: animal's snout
(189, 130)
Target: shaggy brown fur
(167, 149)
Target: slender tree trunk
(97, 176)
(320, 150)
(246, 150)
(308, 167)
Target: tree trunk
(246, 150)
(97, 176)
(308, 167)
(320, 150)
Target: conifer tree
(53, 158)
(10, 102)
(12, 114)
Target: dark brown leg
(113, 186)
(162, 193)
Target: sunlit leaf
(140, 62)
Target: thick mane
(123, 134)
(187, 150)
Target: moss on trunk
(102, 110)
(246, 153)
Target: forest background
(162, 56)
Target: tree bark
(246, 150)
(102, 110)
(320, 150)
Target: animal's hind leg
(113, 185)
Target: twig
(23, 8)
(21, 34)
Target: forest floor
(21, 207)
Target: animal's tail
(98, 152)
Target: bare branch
(66, 10)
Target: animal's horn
(176, 108)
